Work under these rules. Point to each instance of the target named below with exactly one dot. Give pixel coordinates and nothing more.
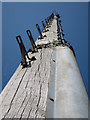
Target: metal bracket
(59, 21)
(38, 28)
(47, 25)
(46, 22)
(44, 28)
(52, 16)
(43, 24)
(33, 45)
(23, 51)
(58, 16)
(41, 36)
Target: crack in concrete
(10, 87)
(21, 104)
(24, 107)
(15, 94)
(29, 113)
(38, 99)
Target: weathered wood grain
(25, 95)
(50, 87)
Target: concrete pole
(51, 87)
(69, 99)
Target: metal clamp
(58, 16)
(41, 36)
(38, 28)
(33, 45)
(23, 51)
(43, 24)
(44, 28)
(47, 25)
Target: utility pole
(47, 83)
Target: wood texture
(50, 87)
(25, 95)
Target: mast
(47, 83)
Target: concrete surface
(50, 87)
(70, 99)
